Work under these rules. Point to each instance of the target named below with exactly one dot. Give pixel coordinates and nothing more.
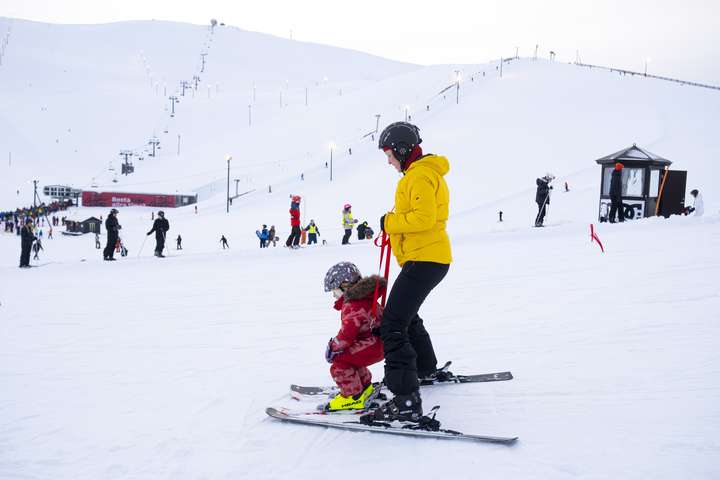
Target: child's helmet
(347, 206)
(343, 272)
(296, 198)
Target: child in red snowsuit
(357, 345)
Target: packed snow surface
(151, 368)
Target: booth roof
(636, 154)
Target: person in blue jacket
(263, 235)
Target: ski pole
(537, 217)
(141, 246)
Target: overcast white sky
(679, 37)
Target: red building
(126, 199)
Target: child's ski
(299, 391)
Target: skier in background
(36, 248)
(113, 233)
(160, 227)
(264, 236)
(347, 223)
(97, 241)
(361, 230)
(356, 346)
(698, 205)
(422, 248)
(616, 194)
(313, 232)
(293, 240)
(542, 197)
(272, 237)
(27, 237)
(178, 245)
(224, 242)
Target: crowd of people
(28, 224)
(14, 220)
(309, 234)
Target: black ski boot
(405, 408)
(441, 375)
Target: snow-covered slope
(148, 368)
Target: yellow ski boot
(360, 401)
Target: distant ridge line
(659, 77)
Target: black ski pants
(616, 206)
(294, 238)
(159, 242)
(112, 238)
(408, 349)
(25, 254)
(346, 237)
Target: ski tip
(274, 412)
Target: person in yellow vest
(313, 232)
(422, 248)
(347, 223)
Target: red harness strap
(384, 247)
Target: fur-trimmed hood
(365, 287)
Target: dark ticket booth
(90, 225)
(649, 187)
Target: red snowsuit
(360, 347)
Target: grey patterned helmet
(343, 272)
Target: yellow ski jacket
(417, 225)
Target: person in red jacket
(293, 240)
(357, 345)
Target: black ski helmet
(161, 213)
(400, 137)
(343, 272)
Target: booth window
(607, 175)
(633, 181)
(654, 182)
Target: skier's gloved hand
(382, 223)
(329, 354)
(149, 233)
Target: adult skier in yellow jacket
(422, 248)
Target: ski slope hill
(148, 368)
(75, 96)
